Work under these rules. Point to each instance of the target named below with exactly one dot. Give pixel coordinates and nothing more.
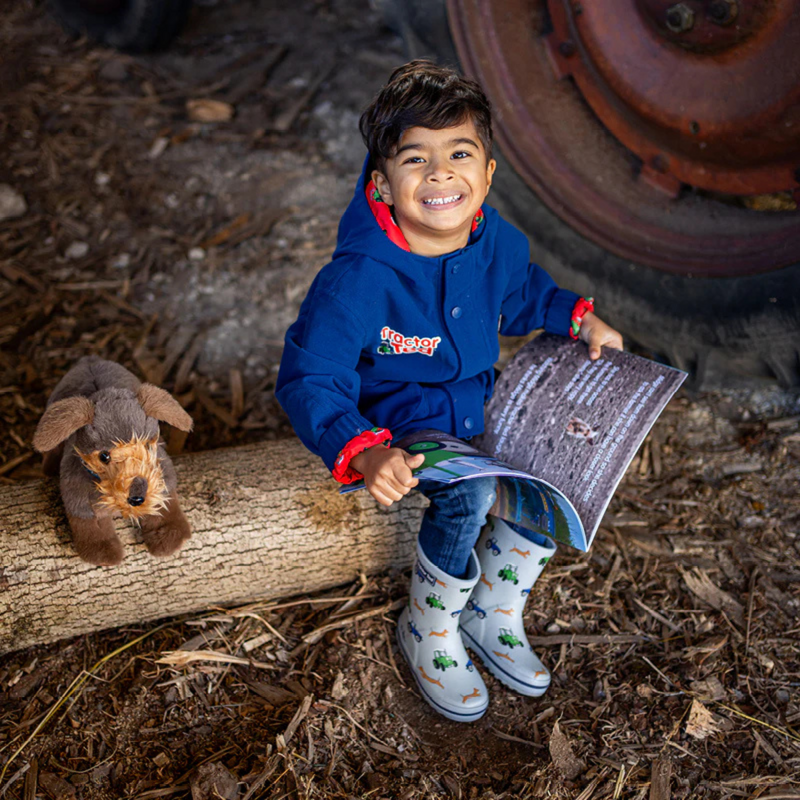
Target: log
(267, 522)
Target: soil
(182, 249)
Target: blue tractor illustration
(455, 613)
(491, 544)
(424, 575)
(473, 606)
(412, 629)
(470, 665)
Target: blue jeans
(452, 523)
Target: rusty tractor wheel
(650, 149)
(132, 25)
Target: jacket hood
(361, 235)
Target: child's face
(436, 181)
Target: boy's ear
(161, 405)
(382, 185)
(60, 421)
(490, 168)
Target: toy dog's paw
(166, 540)
(96, 541)
(165, 534)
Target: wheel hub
(705, 92)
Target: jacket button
(456, 268)
(469, 423)
(455, 313)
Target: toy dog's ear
(61, 420)
(161, 405)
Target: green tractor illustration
(509, 573)
(507, 638)
(434, 600)
(543, 560)
(384, 349)
(441, 660)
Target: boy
(399, 333)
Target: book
(560, 431)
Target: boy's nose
(440, 169)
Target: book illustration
(580, 430)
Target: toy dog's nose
(137, 492)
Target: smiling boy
(399, 333)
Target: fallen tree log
(267, 522)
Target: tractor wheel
(132, 25)
(639, 175)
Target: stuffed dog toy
(100, 433)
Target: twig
(509, 738)
(753, 578)
(350, 717)
(589, 638)
(738, 713)
(14, 778)
(318, 633)
(662, 619)
(669, 682)
(74, 688)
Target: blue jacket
(395, 340)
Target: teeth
(440, 201)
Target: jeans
(452, 523)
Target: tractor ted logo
(397, 343)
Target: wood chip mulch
(674, 643)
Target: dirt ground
(182, 249)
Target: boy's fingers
(385, 496)
(415, 461)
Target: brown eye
(105, 457)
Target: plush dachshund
(100, 431)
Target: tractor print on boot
(429, 639)
(492, 620)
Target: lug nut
(567, 48)
(723, 12)
(680, 18)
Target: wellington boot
(428, 635)
(492, 621)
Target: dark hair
(421, 94)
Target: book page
(573, 422)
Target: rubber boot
(492, 621)
(428, 636)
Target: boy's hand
(387, 472)
(597, 334)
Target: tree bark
(267, 522)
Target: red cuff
(342, 471)
(581, 307)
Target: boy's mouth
(442, 201)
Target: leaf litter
(673, 643)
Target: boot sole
(527, 689)
(445, 712)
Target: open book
(560, 432)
